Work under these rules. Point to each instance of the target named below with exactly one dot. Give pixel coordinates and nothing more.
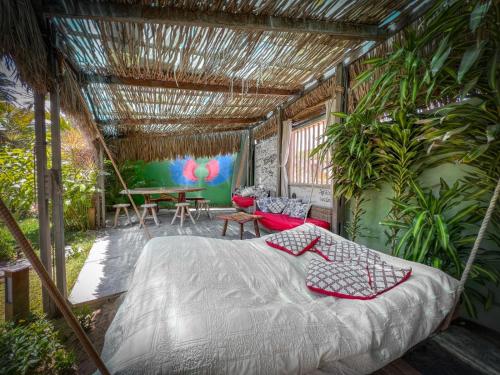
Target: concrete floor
(110, 264)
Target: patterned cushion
(260, 192)
(342, 251)
(290, 206)
(352, 279)
(292, 242)
(277, 206)
(325, 238)
(300, 210)
(248, 191)
(263, 204)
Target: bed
(202, 305)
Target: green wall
(166, 174)
(378, 205)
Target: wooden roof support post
(339, 97)
(250, 163)
(101, 185)
(56, 180)
(279, 140)
(43, 196)
(55, 296)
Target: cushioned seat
(281, 222)
(243, 202)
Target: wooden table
(177, 194)
(241, 218)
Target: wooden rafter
(173, 84)
(174, 121)
(139, 13)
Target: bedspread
(201, 305)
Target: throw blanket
(201, 305)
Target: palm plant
(437, 234)
(349, 145)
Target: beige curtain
(285, 153)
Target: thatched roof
(180, 69)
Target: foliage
(437, 235)
(449, 60)
(33, 348)
(350, 146)
(7, 243)
(128, 170)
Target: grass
(80, 242)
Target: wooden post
(101, 183)
(279, 119)
(339, 97)
(56, 187)
(17, 293)
(42, 195)
(250, 166)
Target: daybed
(202, 305)
(244, 197)
(278, 222)
(284, 219)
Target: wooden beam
(183, 85)
(56, 185)
(177, 120)
(279, 140)
(43, 196)
(115, 12)
(339, 105)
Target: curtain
(240, 163)
(285, 152)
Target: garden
(35, 344)
(429, 106)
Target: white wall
(266, 163)
(321, 195)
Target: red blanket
(243, 202)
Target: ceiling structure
(195, 67)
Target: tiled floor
(111, 260)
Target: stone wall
(266, 163)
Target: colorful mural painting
(214, 174)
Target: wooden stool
(149, 207)
(203, 205)
(118, 208)
(181, 211)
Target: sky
(23, 96)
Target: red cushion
(243, 202)
(283, 222)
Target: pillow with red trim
(293, 242)
(277, 206)
(352, 279)
(342, 251)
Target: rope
(473, 253)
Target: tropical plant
(349, 146)
(128, 170)
(439, 231)
(33, 347)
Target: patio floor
(110, 264)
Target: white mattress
(201, 305)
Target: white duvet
(201, 305)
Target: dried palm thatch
(110, 65)
(21, 43)
(266, 129)
(150, 148)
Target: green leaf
(469, 58)
(440, 56)
(477, 15)
(442, 230)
